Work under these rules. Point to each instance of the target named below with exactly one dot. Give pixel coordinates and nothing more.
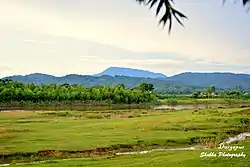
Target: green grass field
(121, 130)
(158, 159)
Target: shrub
(57, 113)
(242, 123)
(94, 116)
(172, 102)
(245, 121)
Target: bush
(63, 113)
(209, 112)
(94, 116)
(57, 113)
(242, 123)
(245, 121)
(172, 102)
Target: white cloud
(5, 71)
(50, 36)
(29, 40)
(89, 57)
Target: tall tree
(146, 87)
(213, 89)
(170, 11)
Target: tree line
(12, 91)
(211, 92)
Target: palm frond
(170, 12)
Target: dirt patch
(51, 154)
(97, 151)
(32, 121)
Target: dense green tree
(17, 92)
(196, 95)
(14, 91)
(146, 87)
(213, 89)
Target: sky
(62, 37)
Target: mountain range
(132, 77)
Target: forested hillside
(161, 85)
(184, 83)
(221, 80)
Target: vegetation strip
(17, 96)
(122, 153)
(101, 151)
(230, 140)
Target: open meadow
(97, 136)
(93, 83)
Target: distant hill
(121, 71)
(184, 82)
(162, 85)
(36, 78)
(221, 80)
(88, 80)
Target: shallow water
(154, 150)
(240, 137)
(181, 107)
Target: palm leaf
(170, 12)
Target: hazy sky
(86, 36)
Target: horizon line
(167, 76)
